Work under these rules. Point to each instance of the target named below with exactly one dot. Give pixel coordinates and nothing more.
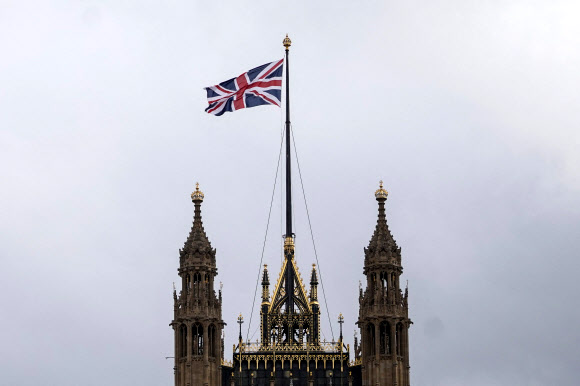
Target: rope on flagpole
(265, 236)
(311, 233)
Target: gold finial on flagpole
(287, 42)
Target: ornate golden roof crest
(381, 193)
(198, 194)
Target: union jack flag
(259, 86)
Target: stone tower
(197, 320)
(383, 314)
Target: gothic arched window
(370, 340)
(399, 334)
(197, 339)
(385, 282)
(305, 334)
(211, 344)
(182, 341)
(385, 338)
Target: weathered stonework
(197, 320)
(383, 312)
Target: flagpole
(289, 239)
(287, 42)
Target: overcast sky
(469, 111)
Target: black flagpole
(289, 239)
(287, 43)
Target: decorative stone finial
(198, 194)
(287, 42)
(381, 193)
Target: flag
(259, 86)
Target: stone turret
(383, 309)
(197, 321)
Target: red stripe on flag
(272, 101)
(266, 83)
(242, 84)
(219, 104)
(225, 91)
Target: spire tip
(380, 193)
(198, 194)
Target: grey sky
(467, 110)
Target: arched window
(182, 341)
(399, 332)
(284, 334)
(385, 283)
(211, 344)
(305, 334)
(197, 339)
(385, 331)
(370, 339)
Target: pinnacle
(265, 277)
(197, 243)
(382, 243)
(313, 278)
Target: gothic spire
(197, 243)
(382, 243)
(313, 277)
(313, 285)
(265, 277)
(265, 286)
